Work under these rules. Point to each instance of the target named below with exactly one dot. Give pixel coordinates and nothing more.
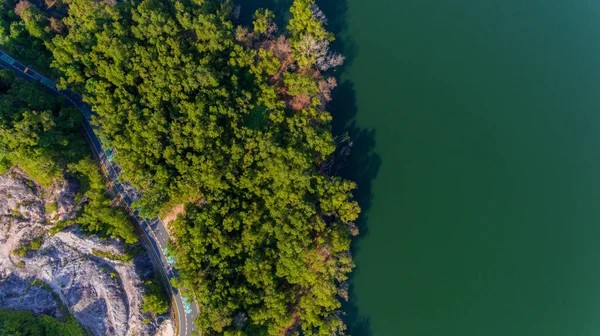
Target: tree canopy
(231, 122)
(25, 32)
(156, 299)
(37, 131)
(24, 323)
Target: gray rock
(19, 294)
(105, 296)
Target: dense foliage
(24, 323)
(97, 213)
(40, 134)
(230, 122)
(37, 132)
(25, 31)
(156, 299)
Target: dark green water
(477, 153)
(484, 214)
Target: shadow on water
(362, 165)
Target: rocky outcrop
(24, 294)
(59, 274)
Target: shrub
(36, 244)
(155, 298)
(127, 257)
(16, 213)
(51, 207)
(21, 251)
(36, 282)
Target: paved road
(154, 231)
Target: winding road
(154, 232)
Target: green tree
(155, 298)
(236, 131)
(25, 33)
(24, 323)
(263, 20)
(37, 132)
(98, 214)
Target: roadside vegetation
(127, 257)
(232, 122)
(156, 299)
(97, 213)
(41, 135)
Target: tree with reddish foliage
(56, 25)
(21, 7)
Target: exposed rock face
(19, 294)
(104, 295)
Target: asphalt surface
(154, 231)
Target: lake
(476, 128)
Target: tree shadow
(362, 165)
(142, 264)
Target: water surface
(483, 217)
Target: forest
(24, 323)
(227, 121)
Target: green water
(482, 189)
(477, 153)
